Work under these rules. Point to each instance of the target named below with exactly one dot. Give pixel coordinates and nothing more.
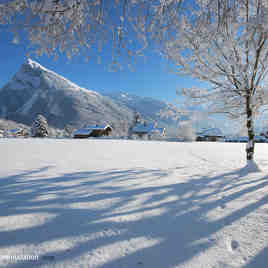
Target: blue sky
(152, 76)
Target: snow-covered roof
(211, 132)
(15, 130)
(98, 127)
(260, 138)
(89, 129)
(141, 128)
(83, 131)
(243, 138)
(160, 130)
(148, 128)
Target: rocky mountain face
(36, 90)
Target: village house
(142, 130)
(17, 132)
(93, 131)
(212, 134)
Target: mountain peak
(32, 73)
(34, 89)
(34, 65)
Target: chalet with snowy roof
(17, 132)
(93, 131)
(211, 134)
(142, 129)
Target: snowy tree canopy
(231, 56)
(228, 51)
(40, 127)
(55, 26)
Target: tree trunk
(250, 128)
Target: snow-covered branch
(55, 26)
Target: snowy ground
(115, 204)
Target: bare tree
(230, 53)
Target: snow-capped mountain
(149, 108)
(36, 90)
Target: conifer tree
(40, 127)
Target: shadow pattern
(97, 209)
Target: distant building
(17, 132)
(212, 134)
(257, 138)
(149, 130)
(260, 138)
(236, 139)
(93, 131)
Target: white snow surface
(124, 204)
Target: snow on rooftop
(211, 132)
(98, 127)
(89, 129)
(160, 130)
(83, 131)
(148, 128)
(15, 130)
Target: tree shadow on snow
(97, 209)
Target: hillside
(9, 124)
(36, 90)
(149, 108)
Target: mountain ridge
(35, 89)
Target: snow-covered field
(126, 204)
